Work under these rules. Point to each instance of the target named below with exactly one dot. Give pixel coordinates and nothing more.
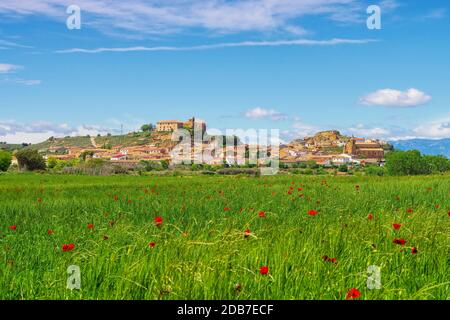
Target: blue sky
(235, 64)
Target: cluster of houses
(325, 148)
(330, 148)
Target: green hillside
(109, 141)
(11, 147)
(159, 139)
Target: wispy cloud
(396, 98)
(17, 132)
(298, 42)
(158, 17)
(6, 44)
(261, 113)
(9, 68)
(26, 82)
(361, 130)
(435, 14)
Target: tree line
(398, 163)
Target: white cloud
(38, 131)
(158, 17)
(373, 132)
(434, 130)
(261, 113)
(299, 130)
(396, 99)
(298, 42)
(8, 68)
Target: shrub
(375, 170)
(5, 160)
(52, 162)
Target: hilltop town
(156, 143)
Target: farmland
(201, 237)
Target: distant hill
(425, 146)
(12, 147)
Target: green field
(201, 251)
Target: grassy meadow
(201, 237)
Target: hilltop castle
(173, 125)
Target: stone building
(173, 125)
(364, 149)
(168, 125)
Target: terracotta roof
(371, 149)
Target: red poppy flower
(448, 213)
(414, 250)
(399, 241)
(68, 247)
(90, 226)
(370, 217)
(328, 259)
(158, 221)
(152, 244)
(299, 189)
(262, 214)
(410, 210)
(13, 227)
(247, 233)
(396, 226)
(264, 270)
(50, 232)
(226, 209)
(353, 293)
(312, 212)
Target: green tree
(406, 163)
(5, 160)
(165, 164)
(147, 127)
(52, 162)
(438, 164)
(86, 154)
(30, 160)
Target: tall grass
(200, 250)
